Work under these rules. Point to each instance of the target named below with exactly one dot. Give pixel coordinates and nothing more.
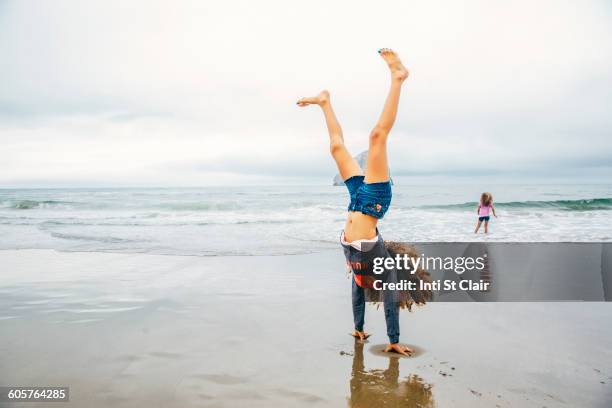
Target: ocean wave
(200, 206)
(161, 208)
(35, 204)
(51, 224)
(101, 239)
(591, 204)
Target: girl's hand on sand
(399, 348)
(360, 335)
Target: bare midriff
(359, 226)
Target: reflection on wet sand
(384, 388)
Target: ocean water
(274, 220)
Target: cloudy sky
(203, 92)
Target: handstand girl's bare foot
(360, 335)
(320, 99)
(399, 348)
(398, 70)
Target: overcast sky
(203, 92)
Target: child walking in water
(485, 207)
(370, 197)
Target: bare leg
(477, 226)
(377, 169)
(347, 166)
(486, 227)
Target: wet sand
(133, 330)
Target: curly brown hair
(418, 297)
(486, 199)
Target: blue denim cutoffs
(371, 199)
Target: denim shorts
(371, 199)
(485, 218)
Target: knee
(336, 147)
(378, 135)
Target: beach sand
(136, 330)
